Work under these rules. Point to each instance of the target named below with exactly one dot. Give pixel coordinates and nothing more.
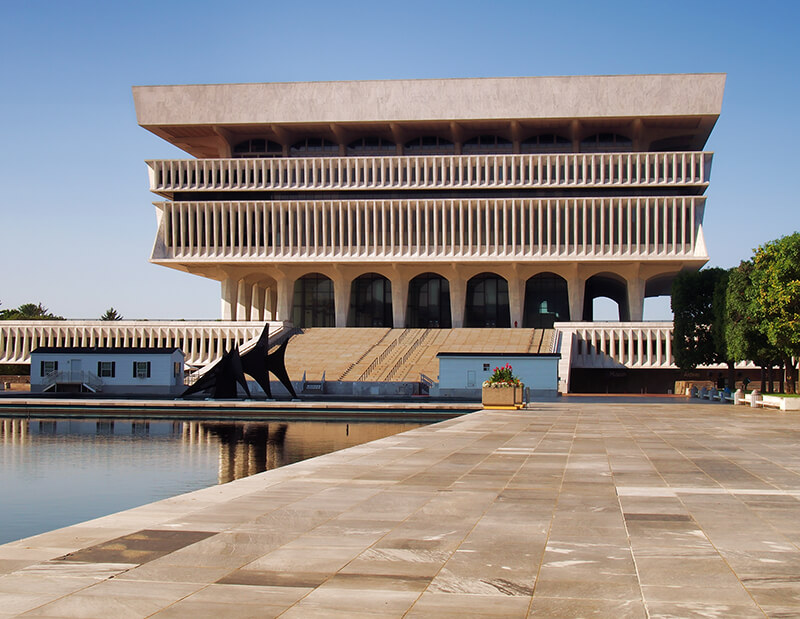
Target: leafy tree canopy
(776, 296)
(744, 337)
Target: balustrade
(431, 172)
(201, 342)
(622, 345)
(444, 229)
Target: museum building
(425, 206)
(493, 202)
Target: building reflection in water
(244, 448)
(14, 431)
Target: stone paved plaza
(570, 509)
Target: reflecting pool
(60, 471)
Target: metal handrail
(405, 357)
(372, 366)
(73, 377)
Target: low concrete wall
(341, 388)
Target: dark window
(371, 146)
(370, 302)
(428, 302)
(487, 302)
(487, 144)
(546, 143)
(106, 369)
(314, 147)
(141, 369)
(257, 147)
(429, 145)
(546, 301)
(676, 143)
(313, 302)
(605, 142)
(48, 367)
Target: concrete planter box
(784, 404)
(773, 401)
(501, 397)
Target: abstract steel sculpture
(221, 379)
(258, 363)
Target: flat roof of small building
(105, 350)
(499, 354)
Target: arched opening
(429, 145)
(487, 302)
(486, 144)
(428, 302)
(257, 147)
(313, 302)
(609, 286)
(546, 301)
(370, 302)
(314, 147)
(372, 146)
(657, 298)
(606, 143)
(546, 143)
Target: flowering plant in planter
(502, 377)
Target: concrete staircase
(381, 354)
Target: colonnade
(276, 293)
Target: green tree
(29, 311)
(696, 341)
(744, 338)
(719, 311)
(776, 283)
(111, 314)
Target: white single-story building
(145, 371)
(462, 374)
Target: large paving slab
(567, 509)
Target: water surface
(55, 472)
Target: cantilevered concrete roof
(205, 120)
(580, 97)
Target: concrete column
(399, 302)
(516, 299)
(243, 300)
(636, 299)
(285, 294)
(341, 300)
(458, 300)
(576, 288)
(228, 299)
(257, 312)
(270, 303)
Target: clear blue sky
(77, 222)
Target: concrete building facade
(495, 202)
(434, 203)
